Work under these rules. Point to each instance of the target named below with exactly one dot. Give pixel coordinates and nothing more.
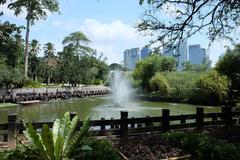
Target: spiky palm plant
(56, 144)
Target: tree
(147, 68)
(228, 65)
(11, 44)
(187, 66)
(158, 83)
(36, 10)
(213, 86)
(187, 17)
(33, 59)
(79, 41)
(49, 51)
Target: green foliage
(29, 83)
(187, 66)
(36, 9)
(56, 144)
(78, 41)
(202, 147)
(181, 83)
(100, 150)
(228, 65)
(213, 86)
(11, 47)
(20, 153)
(146, 68)
(159, 84)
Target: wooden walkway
(49, 95)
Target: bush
(29, 83)
(181, 83)
(147, 68)
(100, 150)
(213, 87)
(20, 153)
(202, 147)
(159, 84)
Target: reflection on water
(96, 108)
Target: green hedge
(203, 147)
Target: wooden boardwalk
(31, 96)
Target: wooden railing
(126, 126)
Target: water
(96, 108)
(121, 88)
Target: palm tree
(36, 9)
(49, 51)
(79, 41)
(33, 59)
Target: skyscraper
(196, 54)
(145, 52)
(180, 52)
(131, 57)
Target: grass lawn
(7, 105)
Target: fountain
(121, 88)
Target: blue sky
(108, 23)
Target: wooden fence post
(112, 125)
(72, 115)
(102, 127)
(165, 119)
(124, 125)
(200, 118)
(4, 98)
(12, 129)
(227, 116)
(132, 124)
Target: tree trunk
(26, 49)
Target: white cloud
(113, 38)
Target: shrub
(20, 153)
(202, 147)
(58, 143)
(29, 83)
(147, 68)
(213, 87)
(100, 150)
(181, 83)
(159, 84)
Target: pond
(96, 108)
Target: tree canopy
(36, 10)
(229, 65)
(187, 17)
(147, 68)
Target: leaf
(58, 147)
(34, 137)
(86, 148)
(55, 129)
(47, 139)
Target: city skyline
(109, 33)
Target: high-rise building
(196, 54)
(180, 52)
(131, 57)
(145, 52)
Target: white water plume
(121, 88)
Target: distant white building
(131, 57)
(179, 52)
(196, 54)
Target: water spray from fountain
(121, 88)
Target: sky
(109, 24)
